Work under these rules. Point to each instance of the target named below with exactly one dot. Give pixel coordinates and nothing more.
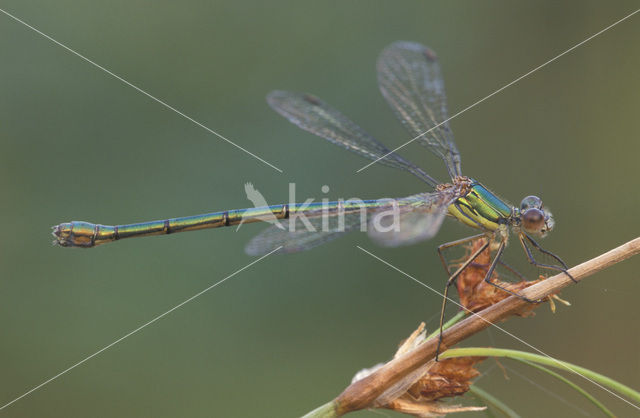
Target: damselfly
(410, 80)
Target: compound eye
(533, 220)
(531, 202)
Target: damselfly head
(534, 219)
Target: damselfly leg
(492, 267)
(487, 277)
(512, 270)
(449, 245)
(446, 246)
(452, 277)
(532, 260)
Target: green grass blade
(455, 319)
(547, 361)
(572, 385)
(328, 410)
(489, 399)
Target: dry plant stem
(363, 393)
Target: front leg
(522, 236)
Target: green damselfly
(410, 80)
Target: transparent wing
(315, 116)
(393, 223)
(410, 80)
(301, 233)
(418, 219)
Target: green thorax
(480, 208)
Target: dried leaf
(431, 409)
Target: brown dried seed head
(476, 294)
(446, 378)
(443, 379)
(421, 394)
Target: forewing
(410, 80)
(315, 116)
(419, 218)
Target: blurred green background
(287, 334)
